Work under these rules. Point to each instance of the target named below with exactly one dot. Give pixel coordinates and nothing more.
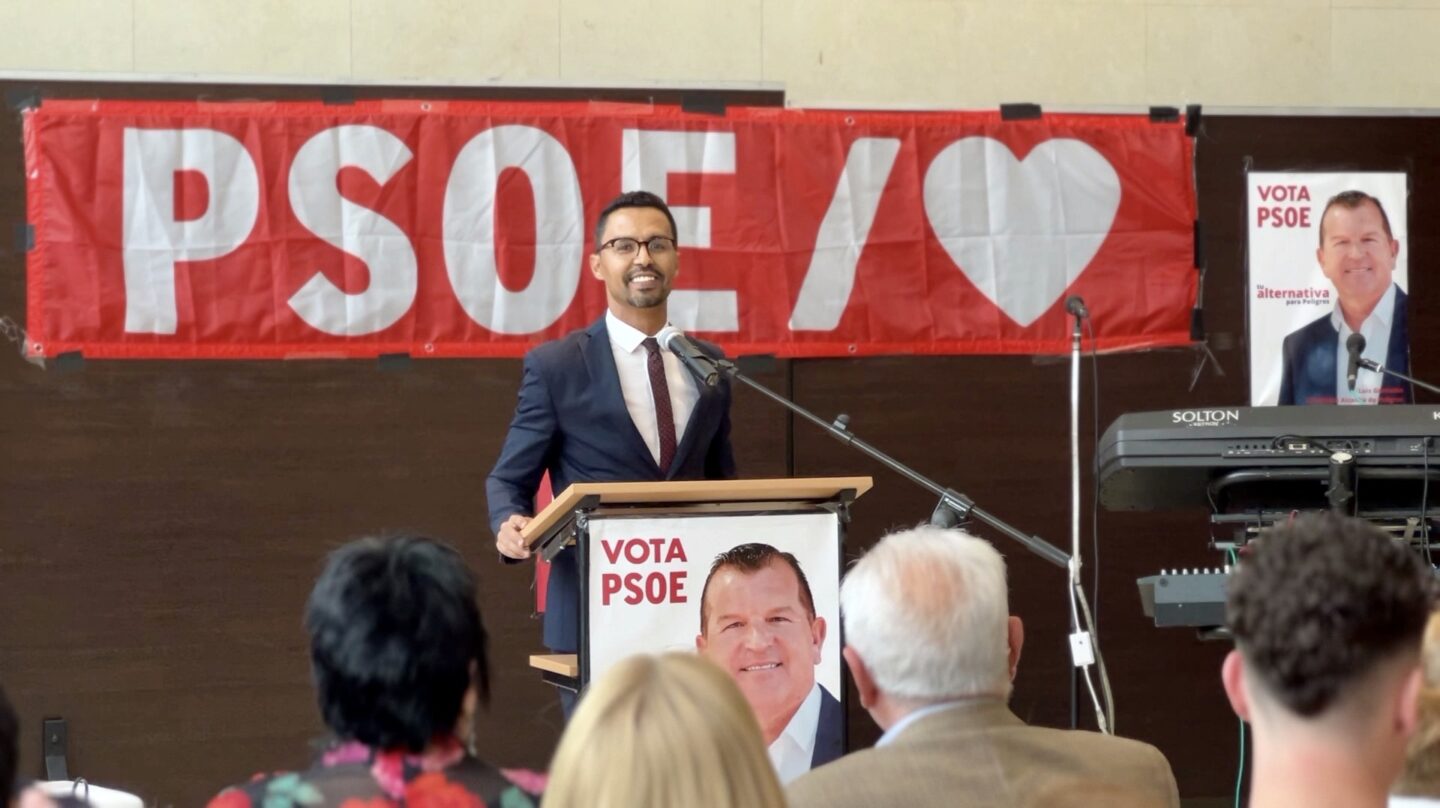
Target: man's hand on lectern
(509, 541)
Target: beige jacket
(980, 754)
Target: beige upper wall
(890, 53)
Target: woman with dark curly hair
(398, 655)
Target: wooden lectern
(644, 549)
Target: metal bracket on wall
(22, 98)
(1192, 120)
(337, 95)
(1164, 115)
(393, 361)
(702, 104)
(56, 740)
(24, 237)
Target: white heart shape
(1021, 231)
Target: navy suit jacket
(830, 733)
(1309, 370)
(571, 421)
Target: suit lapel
(700, 426)
(608, 397)
(1397, 353)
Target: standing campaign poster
(651, 590)
(1314, 284)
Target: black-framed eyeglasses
(627, 247)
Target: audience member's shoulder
(849, 780)
(1126, 759)
(362, 784)
(514, 788)
(251, 792)
(1090, 792)
(1108, 744)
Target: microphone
(699, 365)
(1076, 306)
(1355, 345)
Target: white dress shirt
(631, 361)
(795, 748)
(1376, 330)
(1397, 801)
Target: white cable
(1084, 642)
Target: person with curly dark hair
(398, 656)
(1327, 613)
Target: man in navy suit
(758, 623)
(1357, 253)
(605, 404)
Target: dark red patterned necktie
(664, 416)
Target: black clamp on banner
(1199, 236)
(337, 95)
(393, 361)
(68, 362)
(1192, 120)
(1164, 114)
(1197, 314)
(1019, 112)
(22, 98)
(24, 237)
(702, 104)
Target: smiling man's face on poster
(1357, 254)
(760, 627)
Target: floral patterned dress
(352, 775)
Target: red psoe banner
(167, 229)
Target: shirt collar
(623, 335)
(801, 728)
(1382, 314)
(983, 703)
(910, 718)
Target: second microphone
(700, 366)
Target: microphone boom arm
(953, 508)
(1371, 364)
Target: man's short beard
(639, 301)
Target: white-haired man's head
(927, 614)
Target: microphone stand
(954, 507)
(1084, 637)
(1371, 364)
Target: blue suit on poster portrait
(1310, 353)
(571, 421)
(830, 732)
